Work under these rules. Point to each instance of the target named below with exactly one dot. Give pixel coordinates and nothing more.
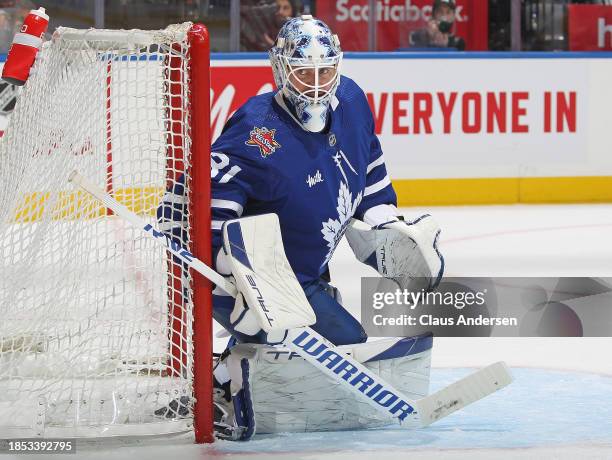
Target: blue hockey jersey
(265, 162)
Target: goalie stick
(322, 354)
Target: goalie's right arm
(230, 189)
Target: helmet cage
(312, 92)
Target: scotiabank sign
(590, 28)
(397, 19)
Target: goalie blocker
(253, 249)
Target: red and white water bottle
(25, 45)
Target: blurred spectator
(439, 30)
(6, 30)
(260, 21)
(286, 10)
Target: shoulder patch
(264, 139)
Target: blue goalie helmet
(306, 64)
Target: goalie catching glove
(404, 251)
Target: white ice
(558, 407)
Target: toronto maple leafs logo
(333, 229)
(264, 139)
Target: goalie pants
(333, 321)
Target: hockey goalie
(308, 154)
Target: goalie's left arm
(403, 249)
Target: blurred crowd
(252, 25)
(260, 21)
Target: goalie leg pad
(234, 416)
(243, 404)
(289, 395)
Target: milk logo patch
(264, 139)
(315, 179)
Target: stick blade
(463, 392)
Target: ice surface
(543, 414)
(541, 408)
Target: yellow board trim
(71, 205)
(504, 190)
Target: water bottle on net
(24, 48)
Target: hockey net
(97, 321)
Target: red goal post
(200, 217)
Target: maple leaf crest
(333, 229)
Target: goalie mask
(306, 64)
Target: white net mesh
(89, 307)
